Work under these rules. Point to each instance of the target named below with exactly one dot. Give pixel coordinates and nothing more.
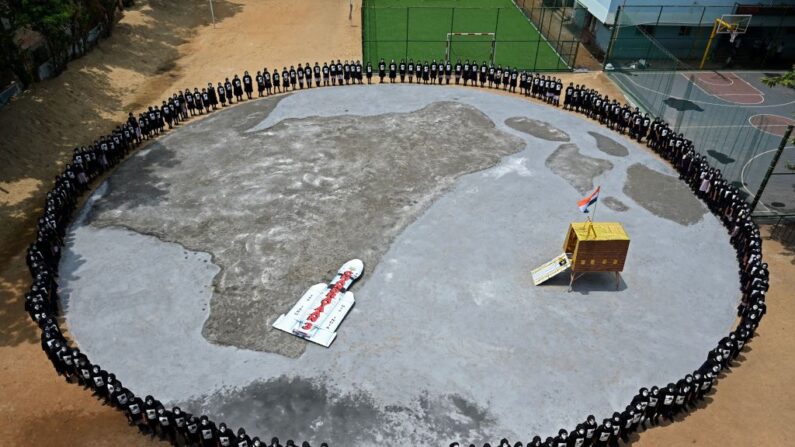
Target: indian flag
(588, 201)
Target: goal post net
(475, 47)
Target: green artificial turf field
(417, 29)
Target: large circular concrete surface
(178, 265)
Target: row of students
(181, 428)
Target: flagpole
(593, 215)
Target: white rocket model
(320, 311)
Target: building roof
(601, 231)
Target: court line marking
(772, 125)
(720, 96)
(727, 104)
(742, 173)
(731, 81)
(727, 126)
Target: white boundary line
(726, 126)
(792, 121)
(742, 172)
(629, 78)
(696, 80)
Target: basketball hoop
(731, 24)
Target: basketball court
(731, 116)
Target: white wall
(605, 10)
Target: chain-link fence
(526, 35)
(731, 116)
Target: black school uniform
(266, 79)
(238, 86)
(229, 93)
(248, 86)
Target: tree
(10, 54)
(51, 19)
(785, 80)
(109, 15)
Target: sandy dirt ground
(160, 46)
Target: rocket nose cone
(355, 266)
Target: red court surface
(772, 124)
(727, 86)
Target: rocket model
(320, 311)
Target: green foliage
(63, 24)
(9, 51)
(785, 80)
(52, 19)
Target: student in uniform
(165, 112)
(339, 72)
(381, 70)
(569, 94)
(237, 85)
(473, 73)
(448, 71)
(410, 70)
(434, 71)
(558, 89)
(299, 73)
(498, 77)
(492, 74)
(326, 74)
(333, 73)
(426, 72)
(206, 99)
(285, 79)
(402, 70)
(248, 86)
(458, 71)
(346, 72)
(277, 82)
(212, 98)
(293, 77)
(316, 70)
(392, 71)
(266, 79)
(197, 101)
(308, 75)
(369, 73)
(523, 83)
(229, 92)
(465, 72)
(514, 76)
(189, 99)
(358, 74)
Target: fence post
(613, 37)
(408, 15)
(770, 169)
